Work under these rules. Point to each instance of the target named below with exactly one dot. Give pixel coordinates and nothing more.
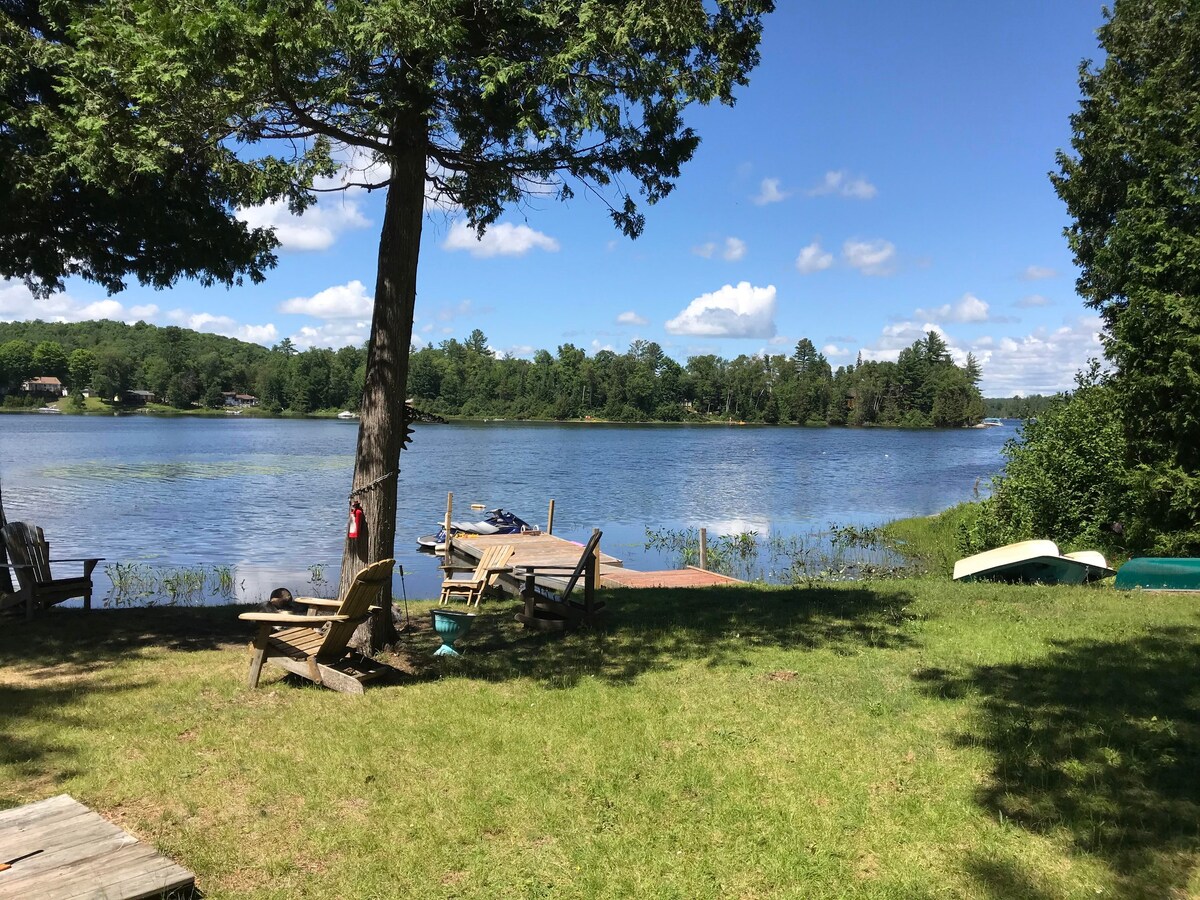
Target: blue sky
(884, 173)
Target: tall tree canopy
(1133, 190)
(480, 103)
(100, 182)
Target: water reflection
(267, 498)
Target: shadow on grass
(1100, 741)
(654, 630)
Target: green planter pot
(450, 625)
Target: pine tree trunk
(381, 426)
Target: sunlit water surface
(267, 498)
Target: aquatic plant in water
(840, 553)
(139, 584)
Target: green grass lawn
(906, 739)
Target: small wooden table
(82, 855)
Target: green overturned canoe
(1159, 574)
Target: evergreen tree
(1132, 188)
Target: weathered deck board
(668, 578)
(548, 550)
(83, 855)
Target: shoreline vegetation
(174, 368)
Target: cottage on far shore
(44, 384)
(233, 398)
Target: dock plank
(83, 855)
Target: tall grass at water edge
(838, 553)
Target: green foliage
(105, 178)
(1065, 479)
(1016, 407)
(184, 368)
(1133, 190)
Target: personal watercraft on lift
(498, 521)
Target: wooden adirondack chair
(493, 561)
(322, 656)
(555, 611)
(29, 555)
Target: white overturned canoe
(1032, 562)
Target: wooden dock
(75, 853)
(549, 550)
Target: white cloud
(343, 301)
(731, 250)
(895, 337)
(833, 351)
(769, 192)
(1038, 273)
(843, 185)
(631, 318)
(735, 249)
(813, 259)
(333, 334)
(258, 334)
(317, 229)
(17, 304)
(969, 309)
(518, 351)
(1032, 300)
(597, 347)
(504, 239)
(741, 311)
(1043, 362)
(870, 257)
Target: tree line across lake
(188, 369)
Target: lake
(267, 498)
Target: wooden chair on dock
(483, 574)
(29, 555)
(549, 610)
(322, 656)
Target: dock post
(550, 519)
(449, 513)
(704, 548)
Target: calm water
(268, 497)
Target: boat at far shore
(1033, 562)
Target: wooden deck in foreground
(548, 550)
(82, 855)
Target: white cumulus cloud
(333, 334)
(870, 257)
(731, 250)
(317, 229)
(842, 184)
(504, 239)
(969, 309)
(813, 259)
(342, 301)
(741, 311)
(631, 318)
(769, 192)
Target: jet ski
(498, 521)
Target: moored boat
(1029, 562)
(498, 521)
(1149, 573)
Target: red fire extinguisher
(356, 520)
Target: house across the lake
(235, 399)
(139, 398)
(44, 384)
